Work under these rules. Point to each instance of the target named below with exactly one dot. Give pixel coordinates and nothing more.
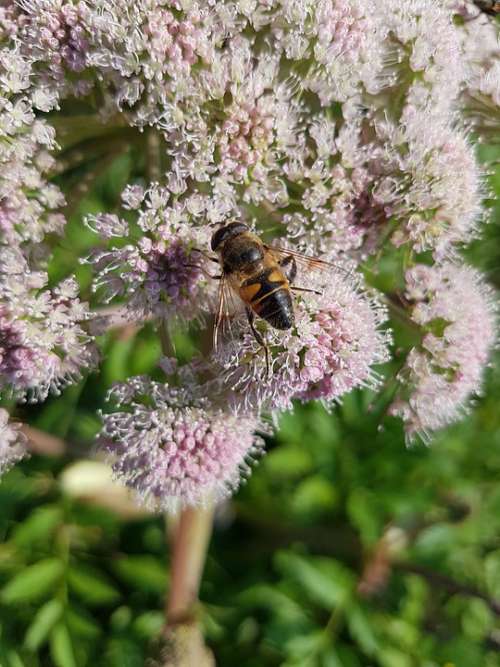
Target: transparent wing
(305, 262)
(221, 310)
(228, 307)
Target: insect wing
(227, 309)
(305, 263)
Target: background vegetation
(346, 548)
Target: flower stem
(184, 641)
(191, 539)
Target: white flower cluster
(330, 127)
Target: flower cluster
(42, 343)
(161, 271)
(329, 127)
(458, 313)
(173, 446)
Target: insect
(261, 275)
(491, 7)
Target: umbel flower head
(173, 446)
(43, 345)
(457, 312)
(332, 127)
(160, 271)
(13, 442)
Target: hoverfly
(261, 275)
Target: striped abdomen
(269, 296)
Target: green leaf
(361, 630)
(38, 527)
(348, 656)
(288, 462)
(43, 622)
(149, 624)
(123, 652)
(85, 426)
(56, 417)
(117, 176)
(325, 581)
(33, 582)
(477, 620)
(392, 657)
(435, 540)
(270, 597)
(492, 573)
(92, 586)
(9, 657)
(404, 634)
(146, 573)
(121, 619)
(81, 623)
(315, 495)
(361, 508)
(61, 647)
(331, 659)
(414, 606)
(302, 647)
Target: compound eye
(227, 232)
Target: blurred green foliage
(345, 548)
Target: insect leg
(304, 289)
(212, 259)
(259, 339)
(197, 266)
(289, 265)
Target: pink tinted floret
(174, 449)
(457, 312)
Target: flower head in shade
(422, 54)
(12, 442)
(173, 446)
(458, 316)
(43, 345)
(160, 272)
(439, 194)
(331, 349)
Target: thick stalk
(191, 538)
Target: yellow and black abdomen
(268, 295)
